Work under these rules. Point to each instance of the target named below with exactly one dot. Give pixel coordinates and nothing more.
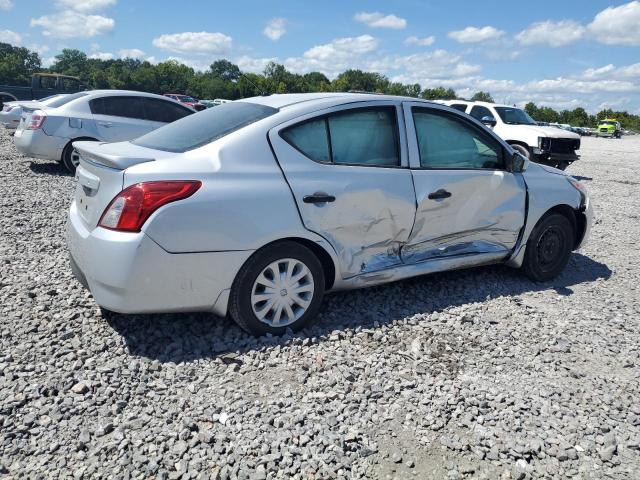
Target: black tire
(523, 150)
(562, 165)
(240, 299)
(549, 247)
(70, 158)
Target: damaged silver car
(259, 207)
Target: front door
(467, 203)
(347, 169)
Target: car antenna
(262, 92)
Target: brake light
(37, 120)
(128, 211)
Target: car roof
(291, 99)
(118, 93)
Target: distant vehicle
(257, 207)
(541, 144)
(609, 127)
(12, 111)
(42, 85)
(186, 100)
(47, 131)
(214, 103)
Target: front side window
(364, 136)
(128, 107)
(479, 112)
(70, 84)
(448, 142)
(164, 111)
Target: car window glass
(310, 138)
(164, 111)
(64, 99)
(364, 137)
(459, 106)
(69, 84)
(128, 107)
(47, 82)
(194, 131)
(447, 142)
(478, 112)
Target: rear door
(467, 203)
(120, 118)
(347, 169)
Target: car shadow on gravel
(50, 168)
(188, 337)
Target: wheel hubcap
(75, 158)
(282, 292)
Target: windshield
(608, 123)
(205, 127)
(186, 99)
(66, 99)
(514, 116)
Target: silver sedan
(48, 131)
(259, 207)
(12, 111)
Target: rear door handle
(105, 124)
(319, 197)
(439, 194)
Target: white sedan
(258, 207)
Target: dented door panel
(484, 214)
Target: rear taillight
(37, 120)
(128, 211)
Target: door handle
(439, 194)
(105, 124)
(318, 197)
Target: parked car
(12, 111)
(186, 100)
(42, 85)
(47, 131)
(214, 103)
(609, 127)
(259, 206)
(545, 145)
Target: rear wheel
(549, 248)
(281, 286)
(70, 158)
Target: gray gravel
(470, 374)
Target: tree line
(224, 79)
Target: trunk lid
(100, 174)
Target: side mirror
(489, 121)
(516, 163)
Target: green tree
(482, 97)
(358, 80)
(17, 64)
(438, 93)
(225, 70)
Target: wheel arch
(577, 218)
(78, 139)
(518, 142)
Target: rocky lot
(471, 374)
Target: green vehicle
(609, 127)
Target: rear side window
(365, 136)
(207, 126)
(164, 111)
(459, 106)
(128, 107)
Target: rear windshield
(66, 99)
(201, 128)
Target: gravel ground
(471, 374)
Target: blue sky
(558, 53)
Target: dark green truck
(42, 85)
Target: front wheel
(523, 150)
(281, 286)
(549, 248)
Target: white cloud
(71, 24)
(85, 6)
(379, 20)
(9, 36)
(253, 65)
(342, 48)
(554, 34)
(101, 56)
(423, 42)
(130, 53)
(6, 5)
(194, 43)
(275, 29)
(475, 34)
(618, 25)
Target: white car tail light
(37, 120)
(128, 211)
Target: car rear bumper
(130, 273)
(37, 144)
